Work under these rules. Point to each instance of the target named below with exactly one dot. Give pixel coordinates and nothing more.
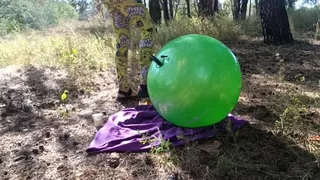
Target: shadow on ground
(299, 59)
(35, 135)
(251, 154)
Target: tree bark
(176, 8)
(317, 35)
(188, 8)
(257, 3)
(275, 23)
(165, 10)
(239, 8)
(250, 8)
(243, 11)
(171, 9)
(155, 11)
(207, 8)
(215, 6)
(236, 9)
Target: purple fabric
(123, 132)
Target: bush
(304, 19)
(221, 27)
(19, 15)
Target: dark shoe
(123, 96)
(143, 91)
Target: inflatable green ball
(194, 81)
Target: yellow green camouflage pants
(124, 14)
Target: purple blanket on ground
(124, 131)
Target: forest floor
(280, 99)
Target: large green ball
(198, 83)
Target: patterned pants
(124, 14)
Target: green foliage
(304, 19)
(19, 15)
(221, 27)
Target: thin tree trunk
(250, 8)
(195, 5)
(165, 10)
(317, 35)
(275, 23)
(188, 8)
(243, 11)
(257, 3)
(236, 9)
(176, 8)
(171, 8)
(155, 11)
(215, 6)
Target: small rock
(81, 91)
(114, 156)
(5, 173)
(1, 161)
(27, 108)
(47, 134)
(41, 148)
(4, 114)
(35, 151)
(75, 143)
(173, 177)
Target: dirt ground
(43, 138)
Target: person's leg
(120, 23)
(140, 18)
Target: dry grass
(43, 138)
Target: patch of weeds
(163, 145)
(292, 117)
(230, 132)
(296, 117)
(65, 111)
(294, 123)
(282, 68)
(80, 68)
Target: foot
(126, 94)
(145, 101)
(143, 91)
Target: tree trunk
(176, 8)
(155, 11)
(257, 3)
(215, 6)
(239, 9)
(275, 23)
(243, 11)
(195, 5)
(317, 35)
(188, 8)
(250, 8)
(171, 9)
(165, 10)
(236, 9)
(207, 8)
